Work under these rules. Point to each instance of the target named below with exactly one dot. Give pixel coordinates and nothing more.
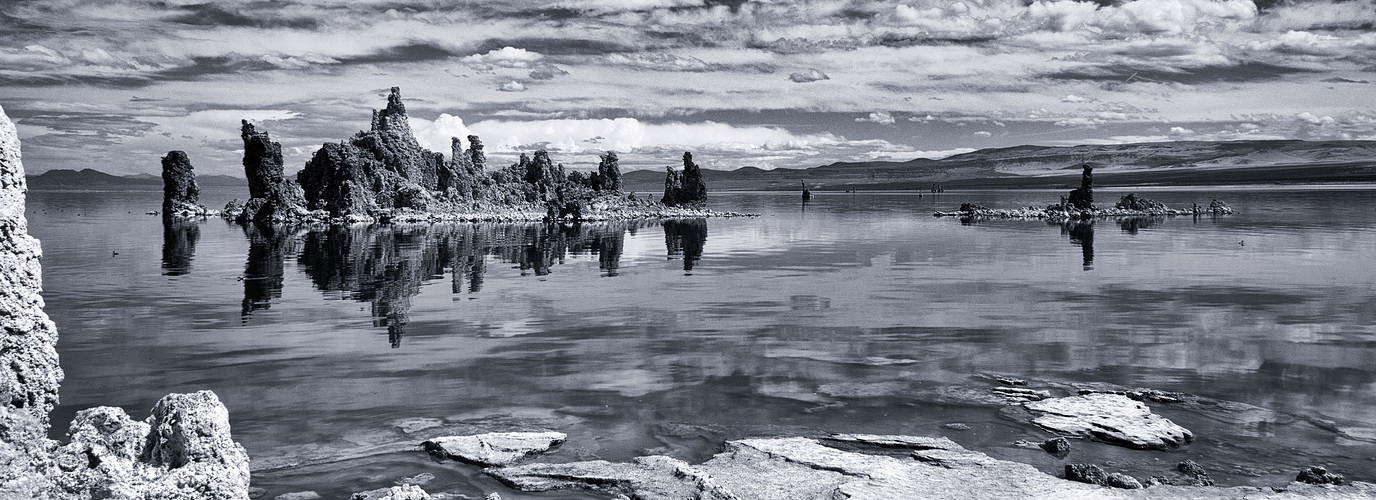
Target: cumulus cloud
(512, 86)
(982, 134)
(643, 143)
(880, 117)
(505, 57)
(811, 75)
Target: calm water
(862, 313)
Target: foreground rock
(183, 451)
(29, 372)
(494, 448)
(180, 194)
(1112, 418)
(796, 468)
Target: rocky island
(1079, 205)
(383, 174)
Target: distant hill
(94, 179)
(1154, 163)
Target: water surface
(856, 313)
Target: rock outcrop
(180, 194)
(684, 187)
(859, 466)
(1132, 202)
(183, 451)
(494, 448)
(29, 371)
(1111, 418)
(403, 492)
(1083, 198)
(272, 197)
(380, 168)
(1319, 475)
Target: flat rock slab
(796, 468)
(494, 448)
(1111, 418)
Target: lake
(338, 349)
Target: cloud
(658, 61)
(811, 75)
(982, 134)
(880, 117)
(645, 144)
(1074, 99)
(512, 86)
(505, 57)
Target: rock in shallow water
(804, 468)
(1319, 475)
(494, 448)
(403, 492)
(1111, 418)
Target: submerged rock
(1057, 446)
(1112, 418)
(403, 492)
(494, 448)
(796, 468)
(180, 194)
(1319, 475)
(1198, 476)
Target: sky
(116, 84)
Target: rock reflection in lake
(179, 237)
(386, 265)
(1081, 233)
(267, 247)
(685, 237)
(1131, 225)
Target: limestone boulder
(1111, 418)
(494, 448)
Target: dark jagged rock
(380, 168)
(1198, 476)
(694, 189)
(180, 194)
(1132, 202)
(1057, 446)
(673, 185)
(1319, 475)
(271, 196)
(1124, 481)
(383, 174)
(610, 172)
(1083, 198)
(1086, 473)
(1219, 208)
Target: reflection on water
(263, 273)
(178, 245)
(685, 237)
(1081, 233)
(386, 265)
(864, 315)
